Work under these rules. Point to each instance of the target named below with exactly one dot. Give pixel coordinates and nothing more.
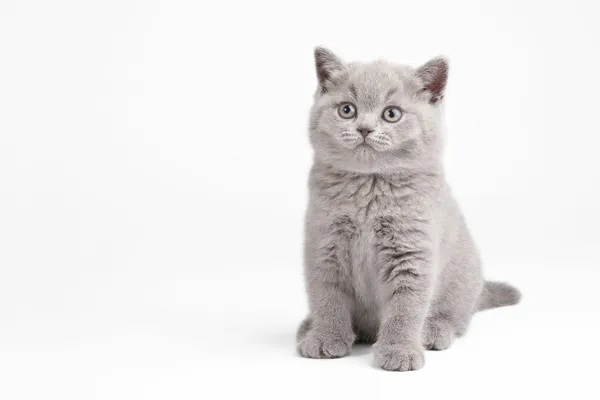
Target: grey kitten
(388, 256)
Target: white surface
(151, 212)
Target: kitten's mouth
(366, 148)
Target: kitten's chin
(364, 152)
(363, 159)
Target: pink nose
(364, 131)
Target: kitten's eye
(392, 114)
(347, 110)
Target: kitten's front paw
(315, 345)
(399, 357)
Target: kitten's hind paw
(314, 345)
(438, 335)
(397, 357)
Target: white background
(153, 165)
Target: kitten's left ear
(434, 75)
(327, 64)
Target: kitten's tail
(497, 294)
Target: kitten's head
(377, 117)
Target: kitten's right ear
(327, 64)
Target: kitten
(388, 256)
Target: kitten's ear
(327, 64)
(434, 75)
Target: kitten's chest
(360, 201)
(364, 198)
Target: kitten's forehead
(374, 83)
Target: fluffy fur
(388, 257)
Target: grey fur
(388, 257)
(497, 294)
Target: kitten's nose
(364, 131)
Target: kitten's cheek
(349, 142)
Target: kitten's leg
(327, 332)
(406, 261)
(451, 310)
